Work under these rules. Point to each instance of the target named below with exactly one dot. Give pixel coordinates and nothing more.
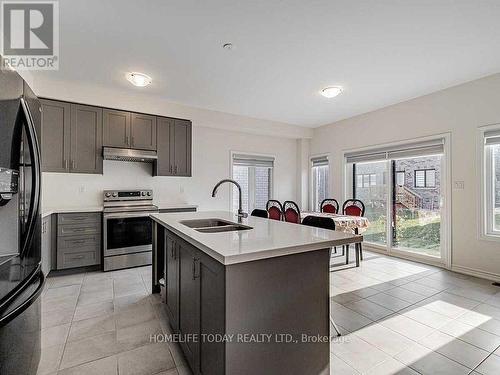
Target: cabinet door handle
(175, 169)
(126, 140)
(170, 168)
(132, 141)
(78, 241)
(65, 163)
(73, 164)
(196, 268)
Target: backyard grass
(420, 234)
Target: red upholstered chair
(354, 207)
(274, 209)
(330, 206)
(291, 212)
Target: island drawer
(79, 217)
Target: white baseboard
(477, 273)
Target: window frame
(313, 196)
(251, 178)
(489, 185)
(425, 170)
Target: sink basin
(226, 228)
(206, 223)
(214, 225)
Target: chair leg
(343, 250)
(335, 327)
(356, 249)
(347, 255)
(361, 250)
(335, 249)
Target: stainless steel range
(127, 228)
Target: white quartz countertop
(267, 239)
(46, 211)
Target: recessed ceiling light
(331, 91)
(139, 79)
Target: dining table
(344, 223)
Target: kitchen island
(246, 298)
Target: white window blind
(318, 161)
(492, 137)
(432, 147)
(253, 160)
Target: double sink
(214, 225)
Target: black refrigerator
(21, 278)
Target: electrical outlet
(459, 185)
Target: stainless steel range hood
(128, 154)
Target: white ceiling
(382, 52)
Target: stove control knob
(108, 195)
(143, 193)
(149, 193)
(115, 194)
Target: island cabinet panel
(116, 128)
(172, 280)
(143, 132)
(195, 303)
(189, 301)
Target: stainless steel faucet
(241, 214)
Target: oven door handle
(124, 215)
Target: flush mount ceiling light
(331, 91)
(227, 46)
(139, 79)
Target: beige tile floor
(401, 317)
(397, 317)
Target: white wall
(458, 110)
(211, 163)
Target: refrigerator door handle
(27, 303)
(35, 194)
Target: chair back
(330, 206)
(353, 207)
(291, 212)
(259, 213)
(319, 222)
(274, 209)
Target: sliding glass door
(402, 189)
(370, 181)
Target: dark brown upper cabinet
(174, 139)
(116, 128)
(71, 138)
(56, 117)
(86, 139)
(143, 132)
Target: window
(492, 183)
(400, 178)
(366, 180)
(402, 191)
(425, 178)
(320, 175)
(255, 175)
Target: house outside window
(255, 175)
(400, 178)
(320, 175)
(425, 178)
